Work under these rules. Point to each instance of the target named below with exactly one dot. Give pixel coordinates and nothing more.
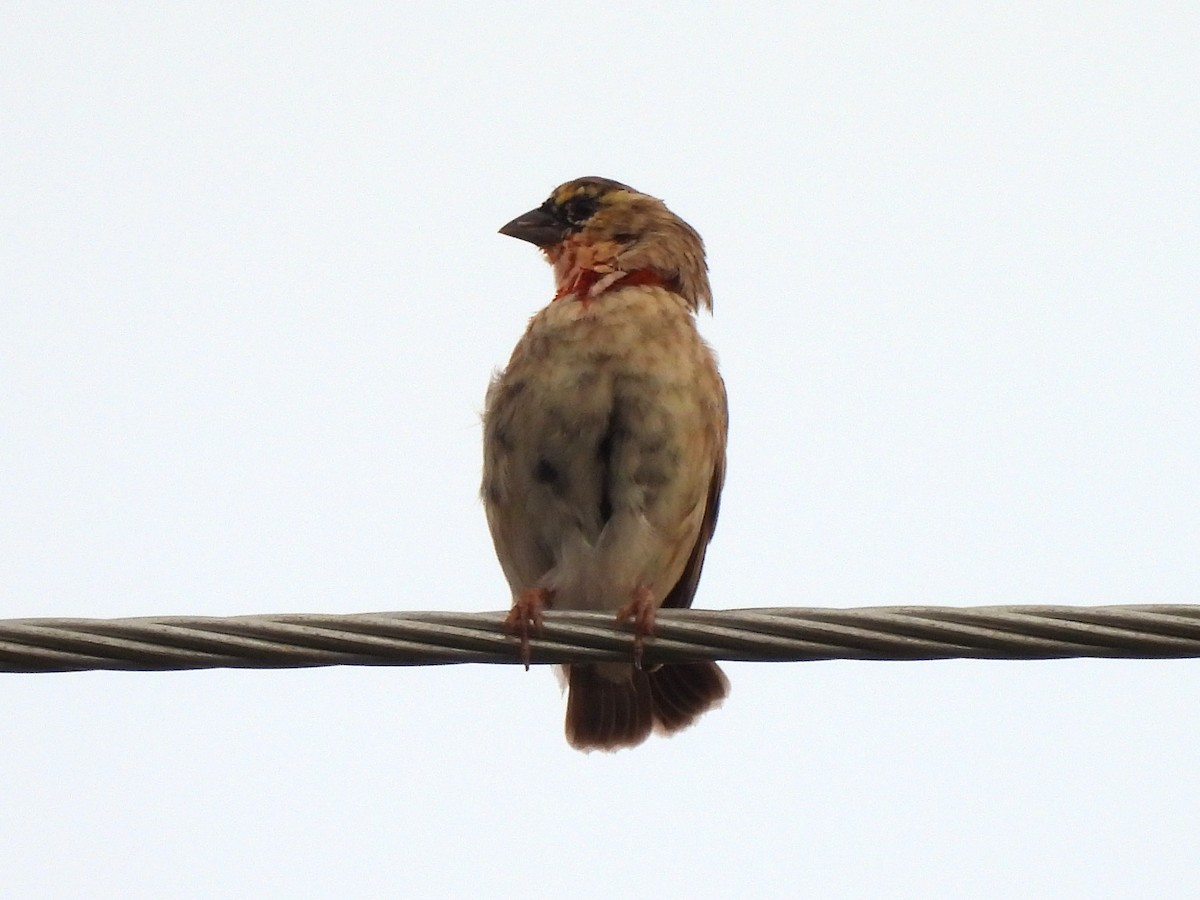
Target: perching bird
(604, 449)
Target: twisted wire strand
(441, 638)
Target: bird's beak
(536, 226)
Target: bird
(604, 450)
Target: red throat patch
(583, 282)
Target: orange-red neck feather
(583, 283)
(580, 267)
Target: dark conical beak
(536, 226)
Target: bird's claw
(525, 618)
(639, 612)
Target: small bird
(604, 449)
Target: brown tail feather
(681, 693)
(604, 713)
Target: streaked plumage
(604, 447)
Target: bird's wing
(680, 596)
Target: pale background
(252, 292)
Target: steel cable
(440, 638)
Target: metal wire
(439, 638)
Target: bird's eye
(580, 208)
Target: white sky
(251, 292)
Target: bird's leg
(639, 611)
(525, 617)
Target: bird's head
(600, 235)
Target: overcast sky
(251, 293)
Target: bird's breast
(603, 419)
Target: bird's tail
(610, 706)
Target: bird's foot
(639, 612)
(525, 617)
